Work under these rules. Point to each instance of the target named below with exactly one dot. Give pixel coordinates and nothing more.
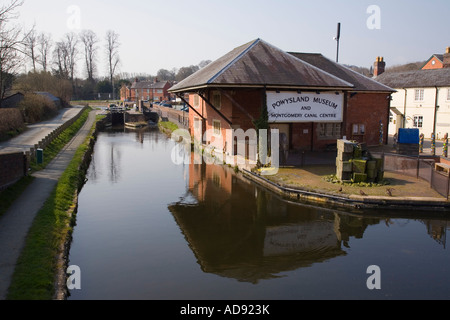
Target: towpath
(16, 222)
(36, 132)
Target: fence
(181, 118)
(421, 168)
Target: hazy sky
(168, 34)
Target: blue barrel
(408, 135)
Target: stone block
(344, 176)
(344, 156)
(345, 146)
(359, 177)
(359, 166)
(344, 166)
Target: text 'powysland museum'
(312, 100)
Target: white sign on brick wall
(291, 106)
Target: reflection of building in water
(437, 229)
(240, 231)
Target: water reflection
(167, 231)
(240, 231)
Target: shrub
(37, 108)
(11, 123)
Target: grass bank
(39, 264)
(59, 142)
(167, 126)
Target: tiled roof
(416, 79)
(360, 82)
(148, 85)
(258, 63)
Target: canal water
(148, 228)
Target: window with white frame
(418, 121)
(217, 127)
(418, 96)
(448, 94)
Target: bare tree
(60, 60)
(43, 48)
(71, 42)
(30, 45)
(11, 42)
(65, 56)
(112, 51)
(89, 40)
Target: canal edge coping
(352, 201)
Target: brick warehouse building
(309, 98)
(153, 91)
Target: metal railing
(419, 167)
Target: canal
(148, 228)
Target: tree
(44, 43)
(89, 40)
(165, 75)
(66, 55)
(11, 44)
(185, 72)
(30, 44)
(112, 51)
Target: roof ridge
(358, 74)
(321, 70)
(234, 60)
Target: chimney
(447, 58)
(378, 66)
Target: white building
(422, 101)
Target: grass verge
(37, 267)
(167, 126)
(59, 142)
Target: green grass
(36, 269)
(170, 126)
(59, 142)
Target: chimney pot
(447, 58)
(379, 66)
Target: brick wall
(367, 109)
(14, 167)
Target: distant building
(152, 91)
(312, 100)
(437, 61)
(52, 98)
(421, 100)
(12, 101)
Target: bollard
(445, 146)
(39, 156)
(421, 138)
(433, 144)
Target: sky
(167, 34)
